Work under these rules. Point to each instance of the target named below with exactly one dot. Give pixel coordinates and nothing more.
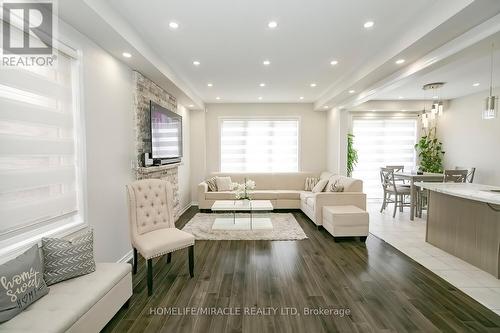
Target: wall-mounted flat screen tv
(166, 133)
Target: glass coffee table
(242, 215)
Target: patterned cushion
(310, 183)
(65, 259)
(212, 184)
(21, 283)
(319, 187)
(335, 187)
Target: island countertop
(470, 191)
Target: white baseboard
(127, 257)
(194, 203)
(183, 210)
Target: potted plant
(352, 155)
(430, 152)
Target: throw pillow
(310, 183)
(336, 187)
(320, 186)
(66, 259)
(212, 184)
(21, 283)
(223, 183)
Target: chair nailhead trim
(165, 252)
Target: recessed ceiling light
(173, 25)
(301, 97)
(368, 24)
(400, 97)
(217, 98)
(400, 61)
(476, 84)
(126, 55)
(210, 84)
(262, 84)
(196, 63)
(333, 62)
(325, 107)
(260, 98)
(191, 105)
(352, 91)
(266, 62)
(312, 85)
(272, 24)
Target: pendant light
(491, 105)
(436, 106)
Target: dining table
(412, 178)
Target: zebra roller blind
(259, 145)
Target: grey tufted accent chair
(152, 226)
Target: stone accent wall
(145, 91)
(165, 172)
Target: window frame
(413, 115)
(221, 119)
(24, 237)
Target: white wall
(333, 140)
(107, 107)
(198, 151)
(184, 170)
(312, 130)
(110, 145)
(470, 141)
(337, 124)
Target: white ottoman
(346, 221)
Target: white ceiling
(459, 73)
(231, 39)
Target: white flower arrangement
(241, 190)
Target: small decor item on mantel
(241, 190)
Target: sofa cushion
(308, 198)
(65, 259)
(162, 241)
(310, 183)
(225, 195)
(263, 194)
(351, 184)
(68, 301)
(320, 186)
(21, 283)
(212, 184)
(288, 194)
(290, 181)
(223, 183)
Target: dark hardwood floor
(384, 290)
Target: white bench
(346, 221)
(83, 304)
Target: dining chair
(152, 226)
(390, 187)
(398, 168)
(455, 176)
(470, 173)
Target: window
(259, 145)
(381, 142)
(40, 154)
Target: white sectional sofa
(83, 304)
(286, 191)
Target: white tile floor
(409, 238)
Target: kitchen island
(463, 219)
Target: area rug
(285, 227)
